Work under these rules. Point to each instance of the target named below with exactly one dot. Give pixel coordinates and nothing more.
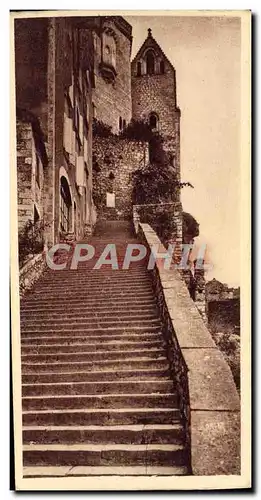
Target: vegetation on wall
(101, 129)
(190, 227)
(30, 241)
(156, 185)
(137, 130)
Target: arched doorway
(153, 121)
(65, 206)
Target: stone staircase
(97, 394)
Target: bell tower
(153, 88)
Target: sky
(205, 52)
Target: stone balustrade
(208, 398)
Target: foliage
(137, 130)
(155, 185)
(30, 240)
(190, 227)
(165, 227)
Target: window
(65, 205)
(162, 67)
(77, 119)
(36, 215)
(153, 120)
(138, 69)
(124, 124)
(120, 123)
(150, 63)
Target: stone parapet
(208, 398)
(31, 272)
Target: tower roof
(150, 42)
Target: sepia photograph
(130, 237)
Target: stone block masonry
(112, 99)
(207, 394)
(156, 94)
(29, 175)
(114, 162)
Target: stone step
(95, 324)
(105, 417)
(64, 289)
(113, 277)
(90, 331)
(67, 471)
(73, 281)
(99, 401)
(109, 375)
(87, 346)
(102, 454)
(99, 295)
(39, 316)
(117, 434)
(102, 387)
(90, 305)
(92, 299)
(101, 339)
(102, 365)
(85, 271)
(93, 355)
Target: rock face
(97, 392)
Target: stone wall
(31, 272)
(114, 161)
(157, 94)
(208, 398)
(30, 175)
(72, 75)
(112, 99)
(54, 63)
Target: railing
(208, 399)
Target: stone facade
(112, 72)
(84, 71)
(57, 91)
(31, 161)
(114, 161)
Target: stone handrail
(208, 398)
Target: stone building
(112, 39)
(70, 71)
(154, 96)
(151, 78)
